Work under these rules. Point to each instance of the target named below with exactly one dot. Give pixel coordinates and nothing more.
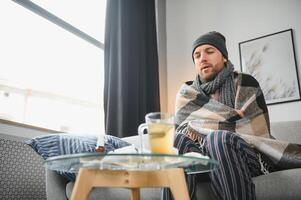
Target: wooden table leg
(135, 193)
(83, 185)
(177, 184)
(133, 180)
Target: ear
(225, 60)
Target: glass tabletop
(129, 161)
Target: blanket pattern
(197, 115)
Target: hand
(240, 112)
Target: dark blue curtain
(131, 65)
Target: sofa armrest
(55, 186)
(279, 185)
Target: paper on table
(204, 162)
(198, 155)
(110, 159)
(120, 160)
(126, 149)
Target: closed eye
(210, 50)
(196, 55)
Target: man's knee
(222, 137)
(184, 144)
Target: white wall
(239, 21)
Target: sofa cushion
(279, 185)
(63, 144)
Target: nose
(203, 57)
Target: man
(232, 106)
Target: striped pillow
(63, 144)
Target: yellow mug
(160, 138)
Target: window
(50, 77)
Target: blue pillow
(63, 144)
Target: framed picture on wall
(271, 60)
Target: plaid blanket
(197, 115)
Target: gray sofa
(278, 185)
(22, 174)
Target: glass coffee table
(132, 171)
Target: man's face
(208, 61)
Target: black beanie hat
(213, 38)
